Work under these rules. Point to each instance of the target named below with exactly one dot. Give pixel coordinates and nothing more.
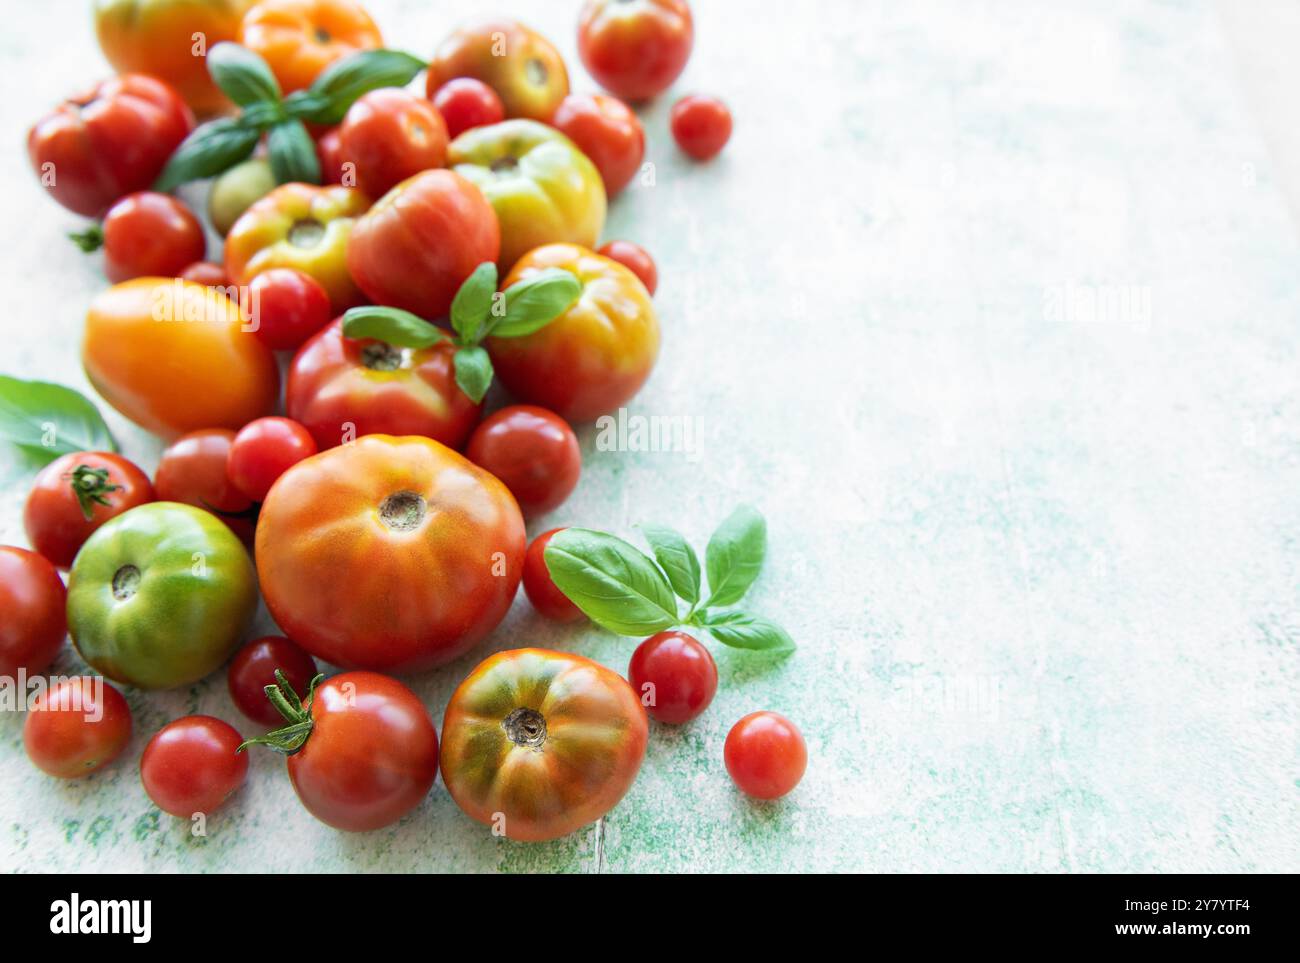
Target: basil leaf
(45, 420)
(242, 75)
(401, 329)
(735, 555)
(473, 372)
(207, 151)
(469, 309)
(743, 631)
(343, 81)
(535, 302)
(293, 153)
(677, 559)
(615, 584)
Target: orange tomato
(300, 38)
(521, 65)
(171, 355)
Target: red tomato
(636, 259)
(192, 470)
(34, 603)
(391, 135)
(78, 726)
(635, 48)
(608, 132)
(545, 595)
(148, 233)
(108, 141)
(701, 125)
(532, 450)
(75, 494)
(674, 676)
(465, 102)
(286, 307)
(329, 151)
(263, 450)
(765, 755)
(206, 272)
(253, 669)
(191, 766)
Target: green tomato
(235, 191)
(542, 187)
(160, 596)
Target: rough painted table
(991, 309)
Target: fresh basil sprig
(42, 421)
(621, 589)
(476, 312)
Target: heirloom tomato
(193, 471)
(160, 596)
(542, 187)
(286, 307)
(674, 676)
(253, 668)
(636, 259)
(263, 451)
(108, 141)
(34, 603)
(532, 450)
(193, 765)
(701, 125)
(521, 65)
(541, 589)
(75, 494)
(298, 39)
(146, 233)
(173, 356)
(391, 135)
(541, 743)
(394, 554)
(465, 102)
(635, 48)
(765, 755)
(593, 357)
(236, 190)
(80, 725)
(607, 131)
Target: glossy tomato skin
(533, 451)
(674, 676)
(193, 470)
(465, 102)
(208, 273)
(421, 240)
(392, 554)
(521, 65)
(765, 755)
(173, 356)
(341, 388)
(79, 726)
(607, 131)
(263, 450)
(253, 668)
(635, 48)
(190, 766)
(150, 233)
(636, 259)
(286, 307)
(550, 741)
(541, 589)
(107, 141)
(53, 517)
(701, 125)
(391, 135)
(329, 151)
(597, 354)
(34, 603)
(300, 38)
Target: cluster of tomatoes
(379, 546)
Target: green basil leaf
(343, 81)
(242, 75)
(473, 371)
(677, 559)
(469, 309)
(743, 631)
(401, 329)
(45, 420)
(735, 556)
(535, 302)
(293, 153)
(207, 151)
(613, 582)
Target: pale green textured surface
(1042, 570)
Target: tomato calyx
(288, 739)
(91, 486)
(89, 240)
(526, 728)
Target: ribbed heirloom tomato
(521, 65)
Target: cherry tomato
(636, 259)
(329, 151)
(532, 450)
(635, 48)
(80, 725)
(34, 603)
(286, 307)
(391, 135)
(206, 272)
(191, 766)
(300, 38)
(147, 233)
(265, 449)
(75, 494)
(253, 669)
(765, 755)
(701, 125)
(542, 592)
(521, 65)
(465, 102)
(193, 471)
(607, 132)
(674, 676)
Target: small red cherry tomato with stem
(286, 307)
(674, 676)
(146, 234)
(765, 755)
(391, 135)
(193, 765)
(465, 102)
(262, 451)
(75, 494)
(541, 590)
(608, 132)
(34, 603)
(701, 125)
(532, 450)
(80, 725)
(636, 259)
(253, 669)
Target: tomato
(286, 307)
(208, 273)
(596, 355)
(521, 65)
(75, 494)
(329, 151)
(172, 356)
(193, 471)
(636, 259)
(263, 451)
(236, 190)
(160, 38)
(33, 600)
(701, 125)
(542, 187)
(300, 38)
(391, 135)
(541, 590)
(394, 554)
(107, 141)
(299, 226)
(607, 132)
(465, 102)
(533, 451)
(765, 755)
(193, 765)
(148, 233)
(79, 726)
(253, 668)
(538, 744)
(635, 48)
(159, 596)
(674, 675)
(419, 243)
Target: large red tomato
(391, 135)
(635, 48)
(393, 554)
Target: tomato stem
(291, 738)
(91, 486)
